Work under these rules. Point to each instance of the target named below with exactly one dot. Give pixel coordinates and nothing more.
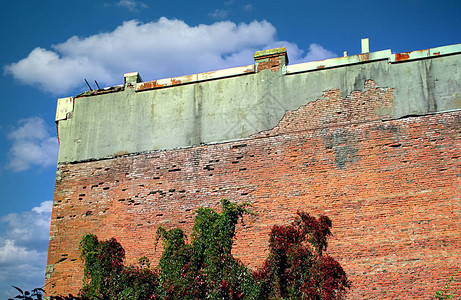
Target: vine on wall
(296, 267)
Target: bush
(205, 269)
(296, 267)
(107, 278)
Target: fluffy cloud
(247, 7)
(164, 48)
(131, 5)
(218, 14)
(23, 249)
(30, 228)
(32, 145)
(317, 52)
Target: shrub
(296, 267)
(107, 278)
(205, 268)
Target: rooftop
(133, 79)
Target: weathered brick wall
(391, 188)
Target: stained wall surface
(381, 162)
(207, 109)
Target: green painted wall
(236, 107)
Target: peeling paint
(420, 54)
(149, 85)
(167, 82)
(402, 56)
(364, 57)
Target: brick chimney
(271, 59)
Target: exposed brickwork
(270, 63)
(332, 110)
(391, 188)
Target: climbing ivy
(296, 267)
(106, 277)
(445, 292)
(205, 268)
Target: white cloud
(317, 52)
(55, 73)
(30, 228)
(247, 7)
(219, 14)
(21, 267)
(164, 48)
(12, 255)
(23, 249)
(32, 145)
(44, 208)
(131, 5)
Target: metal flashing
(426, 53)
(338, 61)
(133, 79)
(166, 82)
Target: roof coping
(134, 79)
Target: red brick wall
(391, 188)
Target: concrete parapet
(236, 103)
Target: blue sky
(49, 47)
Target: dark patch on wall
(388, 128)
(344, 146)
